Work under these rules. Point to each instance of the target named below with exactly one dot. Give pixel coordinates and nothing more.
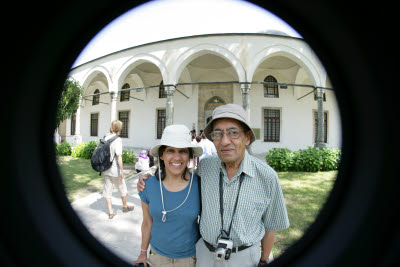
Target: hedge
(63, 149)
(85, 150)
(310, 159)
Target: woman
(170, 203)
(115, 175)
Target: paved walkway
(122, 234)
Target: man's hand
(141, 183)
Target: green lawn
(304, 192)
(79, 178)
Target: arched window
(96, 98)
(271, 90)
(161, 92)
(126, 94)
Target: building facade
(278, 79)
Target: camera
(223, 249)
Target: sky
(165, 19)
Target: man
(207, 146)
(241, 197)
(115, 175)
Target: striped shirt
(261, 206)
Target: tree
(68, 103)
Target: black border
(356, 44)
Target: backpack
(101, 155)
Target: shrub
(310, 159)
(330, 158)
(63, 149)
(84, 150)
(280, 159)
(128, 156)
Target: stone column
(320, 120)
(77, 136)
(114, 97)
(169, 110)
(246, 97)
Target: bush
(128, 156)
(311, 159)
(280, 159)
(330, 158)
(308, 160)
(84, 150)
(63, 149)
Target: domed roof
(275, 32)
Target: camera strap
(221, 201)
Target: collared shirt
(261, 206)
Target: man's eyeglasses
(231, 133)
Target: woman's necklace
(164, 212)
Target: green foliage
(84, 150)
(69, 100)
(280, 159)
(330, 158)
(63, 149)
(310, 159)
(128, 156)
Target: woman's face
(175, 160)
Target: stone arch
(210, 105)
(280, 50)
(92, 73)
(184, 59)
(135, 61)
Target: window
(126, 94)
(271, 90)
(96, 98)
(94, 123)
(272, 125)
(124, 118)
(325, 126)
(161, 91)
(73, 123)
(161, 119)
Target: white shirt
(208, 148)
(115, 151)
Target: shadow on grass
(305, 194)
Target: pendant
(164, 216)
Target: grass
(78, 177)
(305, 193)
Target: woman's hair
(116, 126)
(162, 165)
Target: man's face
(230, 150)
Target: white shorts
(109, 181)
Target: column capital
(114, 96)
(245, 87)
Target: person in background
(115, 175)
(208, 147)
(143, 162)
(171, 203)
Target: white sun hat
(177, 136)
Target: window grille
(124, 118)
(96, 98)
(271, 90)
(124, 96)
(162, 93)
(272, 123)
(94, 123)
(325, 126)
(73, 124)
(161, 120)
